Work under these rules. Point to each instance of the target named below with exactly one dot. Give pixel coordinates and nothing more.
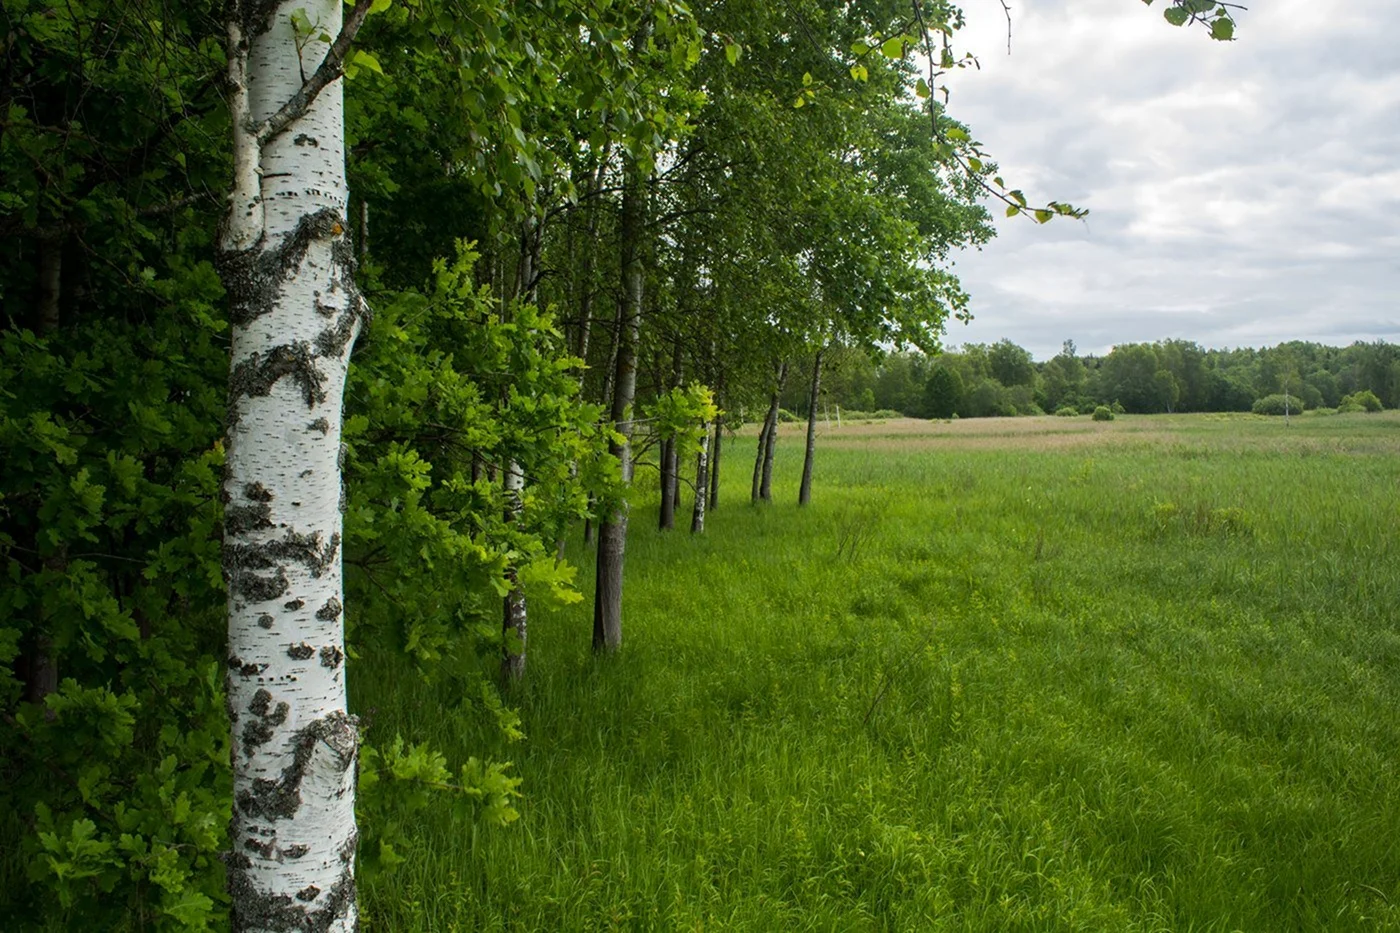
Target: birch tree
(288, 267)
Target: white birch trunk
(702, 481)
(514, 609)
(287, 264)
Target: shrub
(1365, 400)
(1103, 413)
(787, 417)
(1278, 405)
(1067, 411)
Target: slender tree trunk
(288, 268)
(50, 283)
(670, 456)
(514, 615)
(669, 482)
(765, 489)
(713, 500)
(38, 663)
(702, 482)
(804, 495)
(585, 311)
(758, 457)
(612, 531)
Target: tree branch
(331, 68)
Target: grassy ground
(1028, 674)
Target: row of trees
(1169, 376)
(560, 235)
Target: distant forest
(1001, 379)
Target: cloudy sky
(1241, 193)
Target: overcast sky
(1241, 193)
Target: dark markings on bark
(300, 652)
(301, 139)
(267, 850)
(255, 733)
(256, 16)
(308, 893)
(257, 492)
(311, 551)
(330, 611)
(245, 670)
(256, 375)
(294, 605)
(333, 340)
(280, 799)
(296, 851)
(257, 588)
(266, 620)
(241, 519)
(261, 703)
(254, 910)
(331, 656)
(260, 731)
(254, 276)
(320, 424)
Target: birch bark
(702, 482)
(612, 529)
(765, 488)
(804, 494)
(514, 614)
(288, 266)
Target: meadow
(1005, 674)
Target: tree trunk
(585, 311)
(38, 662)
(758, 457)
(288, 267)
(669, 482)
(804, 495)
(670, 454)
(702, 482)
(712, 501)
(765, 489)
(50, 282)
(612, 530)
(514, 615)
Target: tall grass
(1143, 678)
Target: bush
(1278, 405)
(787, 417)
(1103, 413)
(1365, 400)
(1067, 411)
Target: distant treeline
(982, 380)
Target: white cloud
(1241, 193)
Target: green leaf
(378, 6)
(957, 133)
(1043, 216)
(800, 102)
(860, 73)
(1176, 15)
(974, 163)
(1222, 29)
(807, 79)
(1012, 210)
(921, 88)
(731, 53)
(893, 48)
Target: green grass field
(1024, 674)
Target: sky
(1240, 193)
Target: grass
(1022, 674)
